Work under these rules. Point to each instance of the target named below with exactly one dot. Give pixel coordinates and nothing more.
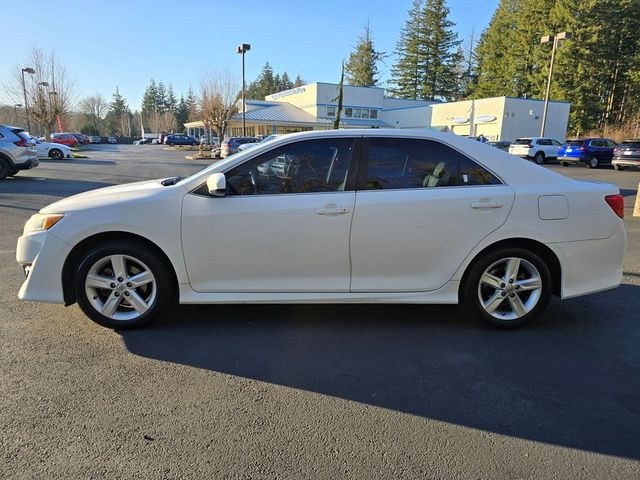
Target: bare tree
(218, 93)
(93, 110)
(50, 91)
(161, 122)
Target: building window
(348, 112)
(331, 111)
(373, 114)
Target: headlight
(42, 221)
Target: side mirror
(217, 185)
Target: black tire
(564, 164)
(194, 144)
(471, 286)
(5, 168)
(56, 154)
(618, 167)
(539, 158)
(13, 172)
(164, 285)
(171, 144)
(593, 162)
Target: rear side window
(575, 143)
(630, 144)
(522, 141)
(544, 141)
(411, 163)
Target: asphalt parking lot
(332, 391)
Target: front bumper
(42, 255)
(626, 162)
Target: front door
(421, 207)
(283, 225)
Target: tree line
(598, 71)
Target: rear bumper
(626, 162)
(591, 266)
(565, 159)
(27, 164)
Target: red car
(64, 139)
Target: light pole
(53, 111)
(555, 40)
(15, 112)
(243, 48)
(43, 105)
(30, 71)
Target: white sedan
(56, 151)
(360, 216)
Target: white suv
(538, 148)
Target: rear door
(421, 207)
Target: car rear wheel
(122, 285)
(564, 164)
(593, 162)
(172, 144)
(56, 154)
(194, 144)
(539, 158)
(508, 287)
(618, 167)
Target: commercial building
(314, 107)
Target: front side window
(348, 112)
(302, 167)
(373, 114)
(395, 163)
(331, 111)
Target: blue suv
(591, 151)
(180, 140)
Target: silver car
(17, 151)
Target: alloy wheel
(56, 154)
(510, 288)
(120, 287)
(593, 162)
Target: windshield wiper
(171, 181)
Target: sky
(126, 43)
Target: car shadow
(78, 161)
(47, 186)
(572, 378)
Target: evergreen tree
(171, 104)
(118, 116)
(192, 105)
(362, 67)
(406, 73)
(277, 83)
(149, 98)
(161, 97)
(298, 82)
(182, 112)
(264, 85)
(285, 82)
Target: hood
(108, 196)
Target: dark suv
(591, 151)
(17, 151)
(627, 154)
(229, 147)
(177, 139)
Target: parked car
(626, 154)
(394, 223)
(81, 138)
(502, 145)
(593, 152)
(65, 139)
(230, 146)
(143, 141)
(178, 139)
(538, 149)
(56, 151)
(162, 136)
(246, 146)
(17, 151)
(112, 140)
(95, 139)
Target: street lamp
(53, 93)
(30, 71)
(15, 112)
(555, 40)
(243, 48)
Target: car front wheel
(56, 154)
(122, 285)
(593, 162)
(508, 287)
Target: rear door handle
(485, 204)
(332, 210)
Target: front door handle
(332, 210)
(486, 204)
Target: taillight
(582, 149)
(616, 202)
(616, 150)
(529, 146)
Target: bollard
(636, 209)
